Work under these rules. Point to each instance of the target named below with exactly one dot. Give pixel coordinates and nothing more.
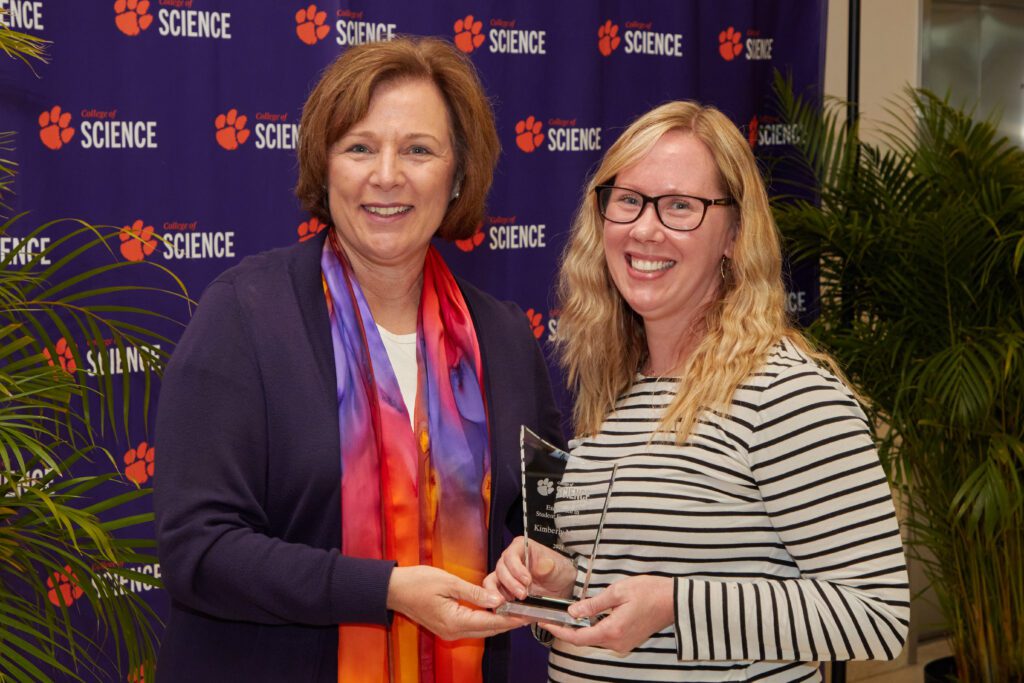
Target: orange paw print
(64, 356)
(310, 26)
(535, 319)
(467, 34)
(608, 37)
(139, 463)
(473, 241)
(310, 229)
(137, 241)
(138, 676)
(729, 44)
(64, 587)
(528, 135)
(231, 130)
(752, 132)
(133, 16)
(54, 128)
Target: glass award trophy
(542, 468)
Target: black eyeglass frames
(675, 211)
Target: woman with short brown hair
(339, 424)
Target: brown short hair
(342, 98)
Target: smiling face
(389, 177)
(667, 276)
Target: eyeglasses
(681, 212)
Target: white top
(775, 520)
(401, 350)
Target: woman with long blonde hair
(749, 530)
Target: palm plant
(60, 522)
(920, 242)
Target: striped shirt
(775, 520)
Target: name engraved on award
(543, 466)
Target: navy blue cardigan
(247, 489)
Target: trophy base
(545, 609)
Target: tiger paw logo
(730, 44)
(309, 229)
(231, 130)
(536, 322)
(132, 16)
(752, 132)
(65, 357)
(528, 135)
(310, 26)
(138, 675)
(545, 487)
(55, 128)
(468, 36)
(473, 241)
(64, 587)
(137, 241)
(138, 463)
(608, 38)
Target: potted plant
(62, 556)
(920, 242)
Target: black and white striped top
(776, 521)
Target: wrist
(669, 601)
(397, 589)
(564, 577)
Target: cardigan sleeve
(210, 488)
(827, 497)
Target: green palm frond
(58, 518)
(64, 294)
(22, 46)
(86, 308)
(46, 537)
(49, 528)
(920, 241)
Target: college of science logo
(638, 38)
(175, 18)
(768, 131)
(98, 129)
(352, 28)
(21, 251)
(502, 37)
(64, 587)
(504, 233)
(179, 241)
(109, 360)
(756, 48)
(22, 15)
(272, 130)
(563, 135)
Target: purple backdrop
(181, 117)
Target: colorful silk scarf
(417, 498)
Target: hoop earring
(724, 267)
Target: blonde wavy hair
(601, 342)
